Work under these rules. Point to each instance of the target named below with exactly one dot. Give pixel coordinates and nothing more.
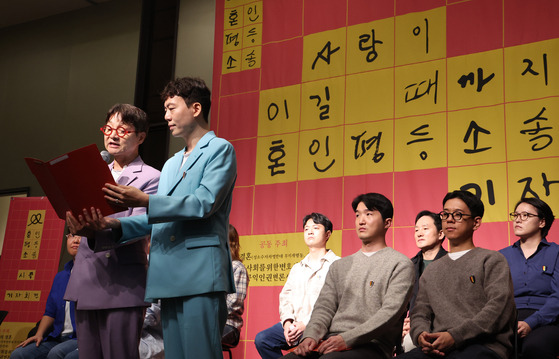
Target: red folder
(74, 180)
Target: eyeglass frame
(458, 218)
(116, 129)
(514, 215)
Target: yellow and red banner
(326, 99)
(29, 262)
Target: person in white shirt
(151, 341)
(300, 291)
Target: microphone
(106, 156)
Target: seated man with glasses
(465, 305)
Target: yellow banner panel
(324, 55)
(232, 40)
(369, 96)
(370, 46)
(279, 110)
(475, 80)
(321, 153)
(421, 88)
(35, 222)
(476, 136)
(31, 244)
(22, 296)
(252, 58)
(487, 181)
(420, 142)
(233, 18)
(11, 334)
(276, 159)
(535, 178)
(269, 258)
(252, 35)
(30, 254)
(532, 129)
(421, 36)
(33, 235)
(26, 275)
(368, 148)
(234, 3)
(232, 62)
(253, 14)
(322, 103)
(531, 70)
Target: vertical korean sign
(28, 265)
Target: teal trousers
(192, 326)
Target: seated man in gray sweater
(465, 305)
(360, 309)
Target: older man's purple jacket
(115, 278)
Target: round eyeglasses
(523, 216)
(457, 216)
(120, 131)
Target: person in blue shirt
(59, 314)
(534, 266)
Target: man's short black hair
(475, 205)
(130, 115)
(319, 218)
(544, 212)
(435, 216)
(375, 201)
(191, 89)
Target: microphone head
(106, 156)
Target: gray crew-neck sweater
(471, 298)
(364, 299)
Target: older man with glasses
(108, 286)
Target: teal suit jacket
(189, 219)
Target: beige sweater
(364, 299)
(471, 298)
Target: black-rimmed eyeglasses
(523, 216)
(457, 216)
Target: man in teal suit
(190, 266)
